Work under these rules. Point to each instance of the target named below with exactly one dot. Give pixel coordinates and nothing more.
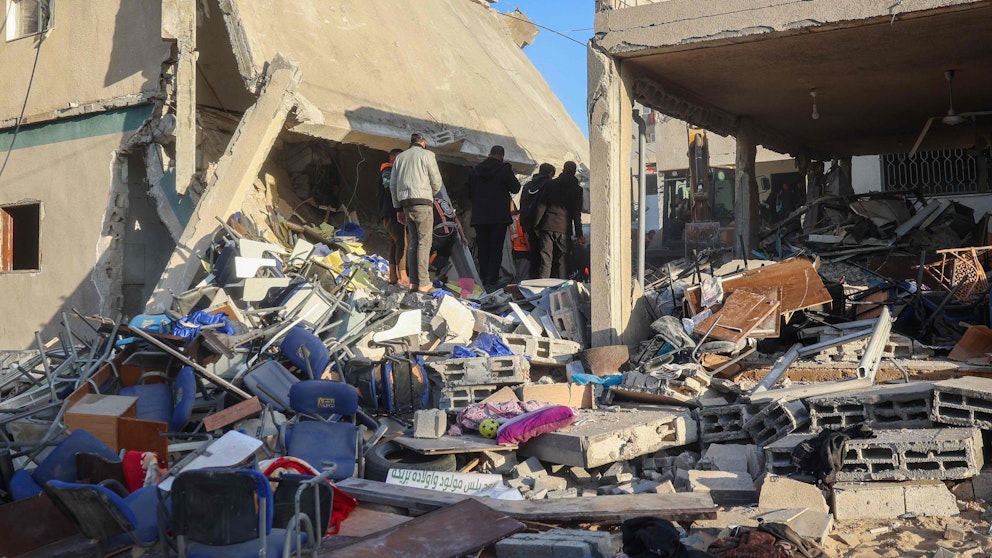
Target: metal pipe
(868, 366)
(642, 197)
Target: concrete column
(179, 23)
(231, 180)
(610, 128)
(745, 191)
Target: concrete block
(886, 406)
(724, 423)
(812, 524)
(564, 493)
(430, 423)
(498, 462)
(573, 395)
(491, 323)
(665, 488)
(982, 485)
(557, 543)
(453, 322)
(456, 398)
(529, 468)
(963, 401)
(543, 350)
(942, 552)
(483, 370)
(607, 437)
(777, 420)
(549, 483)
(954, 532)
(725, 488)
(536, 495)
(776, 492)
(726, 457)
(889, 500)
(643, 486)
(925, 453)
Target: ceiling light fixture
(816, 114)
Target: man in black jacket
(561, 206)
(491, 183)
(530, 200)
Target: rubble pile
(291, 353)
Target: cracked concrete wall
(678, 24)
(98, 50)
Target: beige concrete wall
(74, 194)
(98, 50)
(675, 24)
(671, 146)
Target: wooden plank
(801, 285)
(363, 522)
(741, 312)
(685, 506)
(975, 343)
(232, 414)
(32, 523)
(771, 326)
(464, 528)
(142, 435)
(468, 443)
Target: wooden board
(30, 524)
(143, 435)
(741, 313)
(232, 414)
(801, 285)
(975, 343)
(468, 443)
(686, 506)
(771, 327)
(464, 528)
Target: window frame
(13, 29)
(7, 259)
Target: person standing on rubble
(387, 214)
(529, 218)
(414, 182)
(491, 183)
(561, 207)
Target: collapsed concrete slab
(601, 437)
(542, 350)
(726, 488)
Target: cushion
(323, 398)
(247, 549)
(60, 464)
(143, 503)
(22, 485)
(154, 401)
(183, 394)
(528, 425)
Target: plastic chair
(59, 465)
(106, 517)
(162, 403)
(305, 351)
(332, 435)
(229, 513)
(271, 382)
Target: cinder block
(483, 370)
(557, 543)
(888, 406)
(429, 423)
(726, 489)
(566, 314)
(724, 423)
(453, 322)
(549, 483)
(889, 500)
(491, 323)
(895, 455)
(964, 402)
(543, 350)
(777, 420)
(775, 492)
(563, 493)
(529, 468)
(457, 398)
(498, 462)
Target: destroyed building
(116, 114)
(813, 384)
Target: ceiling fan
(952, 118)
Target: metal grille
(941, 172)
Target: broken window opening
(20, 237)
(29, 17)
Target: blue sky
(562, 62)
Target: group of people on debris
(543, 230)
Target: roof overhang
(877, 68)
(374, 72)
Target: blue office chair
(229, 513)
(164, 403)
(108, 518)
(326, 429)
(59, 465)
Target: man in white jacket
(414, 183)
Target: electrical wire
(546, 28)
(357, 167)
(24, 105)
